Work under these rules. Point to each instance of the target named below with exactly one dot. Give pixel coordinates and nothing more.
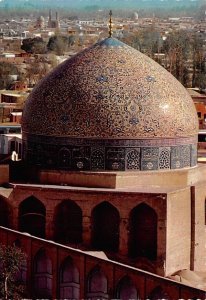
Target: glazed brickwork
(110, 91)
(110, 108)
(116, 155)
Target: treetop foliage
(11, 260)
(34, 45)
(6, 72)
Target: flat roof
(11, 95)
(10, 126)
(202, 131)
(18, 135)
(155, 189)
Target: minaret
(57, 20)
(50, 17)
(110, 23)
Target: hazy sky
(102, 3)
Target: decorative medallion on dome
(118, 108)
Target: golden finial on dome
(110, 23)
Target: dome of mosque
(110, 91)
(111, 95)
(41, 18)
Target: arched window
(32, 217)
(126, 289)
(4, 213)
(158, 293)
(105, 227)
(42, 275)
(143, 232)
(68, 223)
(97, 285)
(69, 280)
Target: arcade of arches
(53, 271)
(123, 232)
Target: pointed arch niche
(4, 212)
(32, 217)
(143, 232)
(126, 289)
(21, 275)
(42, 275)
(68, 223)
(158, 293)
(105, 227)
(97, 285)
(69, 285)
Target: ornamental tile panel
(164, 158)
(176, 158)
(93, 156)
(149, 158)
(132, 159)
(185, 153)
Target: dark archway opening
(105, 227)
(32, 215)
(143, 232)
(4, 213)
(68, 223)
(158, 293)
(126, 289)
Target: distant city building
(40, 23)
(53, 23)
(136, 16)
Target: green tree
(34, 45)
(6, 72)
(147, 41)
(60, 43)
(200, 81)
(198, 59)
(37, 70)
(177, 52)
(151, 42)
(11, 261)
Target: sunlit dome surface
(113, 92)
(107, 91)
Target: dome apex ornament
(110, 24)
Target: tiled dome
(112, 92)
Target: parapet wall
(112, 272)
